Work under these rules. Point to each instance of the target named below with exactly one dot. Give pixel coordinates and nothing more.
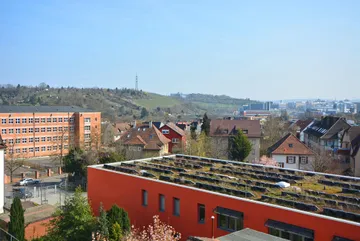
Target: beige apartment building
(35, 131)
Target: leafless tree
(14, 160)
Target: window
(87, 120)
(31, 130)
(31, 120)
(11, 141)
(37, 130)
(24, 150)
(17, 150)
(48, 120)
(95, 118)
(23, 120)
(66, 138)
(48, 129)
(60, 119)
(144, 196)
(17, 120)
(43, 120)
(37, 149)
(55, 138)
(36, 120)
(291, 159)
(161, 203)
(281, 164)
(43, 138)
(24, 140)
(31, 149)
(24, 130)
(11, 151)
(87, 136)
(3, 121)
(245, 131)
(37, 139)
(17, 130)
(176, 206)
(49, 148)
(290, 145)
(72, 120)
(17, 141)
(43, 129)
(54, 129)
(229, 220)
(289, 231)
(11, 121)
(304, 160)
(71, 128)
(87, 128)
(3, 131)
(66, 147)
(175, 140)
(55, 148)
(201, 213)
(60, 128)
(66, 119)
(11, 131)
(43, 148)
(31, 139)
(66, 128)
(48, 138)
(165, 131)
(54, 119)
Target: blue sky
(258, 49)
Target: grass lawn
(155, 100)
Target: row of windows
(36, 139)
(36, 120)
(42, 129)
(292, 159)
(176, 203)
(37, 149)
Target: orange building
(210, 198)
(35, 131)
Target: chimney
(134, 126)
(150, 124)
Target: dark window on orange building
(161, 203)
(201, 213)
(144, 198)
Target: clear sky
(258, 49)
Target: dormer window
(290, 145)
(138, 129)
(245, 131)
(144, 129)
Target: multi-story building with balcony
(34, 131)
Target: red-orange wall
(125, 191)
(36, 229)
(174, 134)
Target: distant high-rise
(268, 105)
(136, 83)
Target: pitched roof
(302, 124)
(41, 108)
(290, 145)
(150, 138)
(355, 146)
(175, 128)
(229, 127)
(353, 132)
(122, 126)
(327, 127)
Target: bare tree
(14, 160)
(60, 145)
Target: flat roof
(41, 108)
(326, 194)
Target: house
(176, 135)
(350, 148)
(300, 126)
(290, 152)
(120, 128)
(2, 174)
(221, 130)
(326, 134)
(144, 141)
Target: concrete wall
(102, 183)
(297, 164)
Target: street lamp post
(212, 227)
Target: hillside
(123, 104)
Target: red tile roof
(227, 127)
(150, 138)
(302, 124)
(175, 128)
(290, 145)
